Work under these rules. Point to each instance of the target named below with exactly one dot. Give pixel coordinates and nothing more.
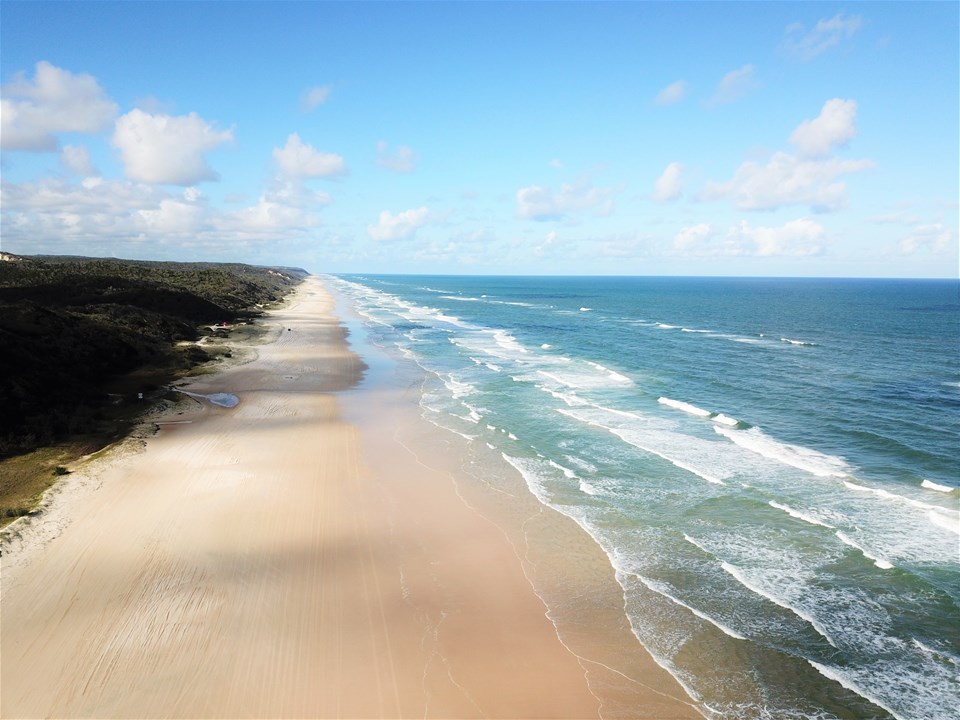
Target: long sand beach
(309, 552)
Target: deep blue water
(771, 465)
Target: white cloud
(297, 159)
(787, 180)
(76, 160)
(810, 178)
(401, 160)
(797, 238)
(934, 237)
(807, 44)
(117, 216)
(692, 238)
(668, 186)
(313, 97)
(167, 149)
(833, 127)
(542, 203)
(400, 226)
(734, 85)
(672, 93)
(56, 101)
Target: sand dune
(251, 563)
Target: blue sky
(636, 138)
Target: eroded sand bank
(259, 562)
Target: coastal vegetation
(88, 343)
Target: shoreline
(289, 556)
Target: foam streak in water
(684, 407)
(661, 589)
(753, 587)
(878, 561)
(799, 515)
(796, 456)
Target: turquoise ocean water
(770, 465)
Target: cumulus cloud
(672, 93)
(542, 203)
(401, 160)
(400, 226)
(165, 148)
(75, 159)
(833, 127)
(668, 186)
(313, 97)
(33, 112)
(298, 159)
(116, 216)
(809, 178)
(788, 180)
(797, 238)
(734, 85)
(808, 44)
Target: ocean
(770, 465)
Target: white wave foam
(461, 299)
(546, 346)
(797, 456)
(664, 326)
(570, 399)
(942, 521)
(685, 407)
(560, 381)
(953, 659)
(725, 420)
(661, 589)
(930, 485)
(797, 342)
(458, 388)
(690, 330)
(697, 544)
(753, 587)
(570, 474)
(846, 681)
(878, 561)
(587, 488)
(612, 374)
(799, 515)
(508, 342)
(581, 463)
(531, 477)
(585, 309)
(887, 495)
(631, 439)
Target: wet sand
(297, 555)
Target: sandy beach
(309, 552)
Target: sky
(537, 138)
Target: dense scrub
(72, 329)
